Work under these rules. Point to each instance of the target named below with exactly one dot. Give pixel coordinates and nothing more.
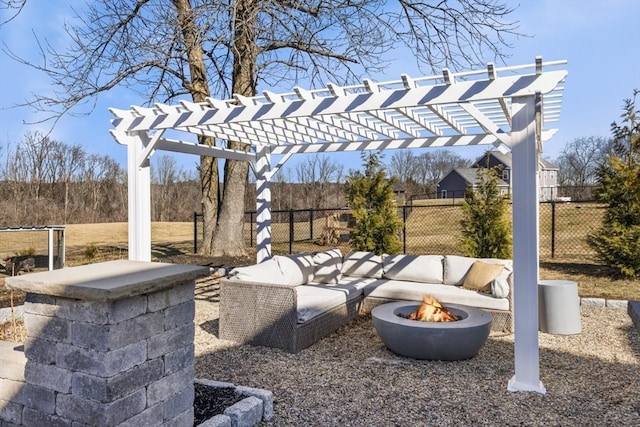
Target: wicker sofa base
(265, 314)
(502, 320)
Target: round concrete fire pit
(432, 340)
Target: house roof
(505, 158)
(472, 176)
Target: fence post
(290, 231)
(553, 229)
(311, 224)
(404, 229)
(195, 232)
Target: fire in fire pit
(431, 310)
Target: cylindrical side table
(559, 307)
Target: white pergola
(503, 107)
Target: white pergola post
(525, 246)
(139, 200)
(263, 202)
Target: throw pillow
(328, 266)
(480, 276)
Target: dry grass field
(429, 230)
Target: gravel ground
(351, 379)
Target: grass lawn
(428, 231)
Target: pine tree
(486, 229)
(370, 197)
(617, 242)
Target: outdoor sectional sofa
(291, 302)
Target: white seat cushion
(413, 291)
(315, 299)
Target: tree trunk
(229, 234)
(199, 89)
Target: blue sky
(599, 38)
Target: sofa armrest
(257, 313)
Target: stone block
(165, 387)
(265, 395)
(90, 335)
(149, 417)
(179, 359)
(616, 303)
(89, 387)
(246, 413)
(137, 329)
(177, 295)
(179, 315)
(40, 350)
(86, 311)
(39, 398)
(11, 412)
(48, 376)
(135, 378)
(102, 364)
(50, 328)
(593, 302)
(178, 403)
(184, 419)
(43, 305)
(170, 341)
(105, 415)
(34, 418)
(219, 420)
(127, 308)
(11, 391)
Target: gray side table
(559, 307)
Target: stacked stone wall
(125, 361)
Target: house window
(444, 194)
(505, 174)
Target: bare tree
(402, 165)
(432, 166)
(578, 163)
(169, 49)
(316, 174)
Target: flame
(432, 310)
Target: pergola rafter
(508, 107)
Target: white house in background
(455, 182)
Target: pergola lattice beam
(434, 96)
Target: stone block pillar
(109, 344)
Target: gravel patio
(351, 379)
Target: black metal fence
(429, 226)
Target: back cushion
(362, 264)
(328, 265)
(455, 268)
(297, 269)
(414, 268)
(266, 272)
